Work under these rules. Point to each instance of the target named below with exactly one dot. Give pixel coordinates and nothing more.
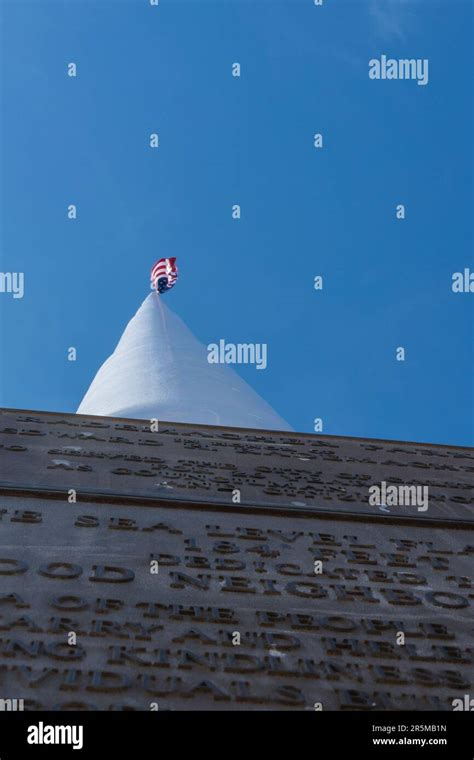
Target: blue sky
(247, 140)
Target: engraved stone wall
(300, 595)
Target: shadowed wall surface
(206, 567)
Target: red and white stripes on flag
(164, 274)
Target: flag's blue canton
(162, 285)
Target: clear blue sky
(305, 212)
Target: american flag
(164, 275)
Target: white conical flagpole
(159, 370)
